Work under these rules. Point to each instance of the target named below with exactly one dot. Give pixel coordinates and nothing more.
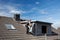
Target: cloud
(8, 10)
(56, 23)
(37, 2)
(43, 11)
(50, 19)
(14, 11)
(37, 10)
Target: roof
(20, 34)
(6, 34)
(42, 22)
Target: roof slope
(11, 34)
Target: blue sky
(42, 10)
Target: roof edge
(42, 22)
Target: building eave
(42, 22)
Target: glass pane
(10, 26)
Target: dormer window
(10, 26)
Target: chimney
(17, 17)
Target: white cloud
(2, 13)
(8, 10)
(56, 23)
(37, 10)
(15, 12)
(37, 2)
(49, 18)
(43, 11)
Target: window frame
(10, 27)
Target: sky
(40, 10)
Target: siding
(38, 28)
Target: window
(10, 26)
(44, 29)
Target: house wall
(49, 31)
(38, 28)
